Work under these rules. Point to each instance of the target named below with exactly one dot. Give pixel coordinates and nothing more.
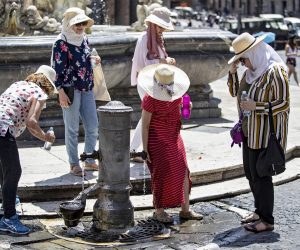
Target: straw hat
(161, 17)
(49, 73)
(81, 18)
(243, 43)
(163, 82)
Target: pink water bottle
(185, 110)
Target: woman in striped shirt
(266, 80)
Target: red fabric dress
(167, 153)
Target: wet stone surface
(219, 227)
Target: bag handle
(271, 119)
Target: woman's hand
(248, 105)
(64, 100)
(233, 67)
(148, 157)
(97, 59)
(168, 60)
(50, 137)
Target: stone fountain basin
(201, 53)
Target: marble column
(122, 12)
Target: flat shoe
(190, 215)
(252, 227)
(250, 218)
(91, 166)
(76, 170)
(163, 217)
(137, 159)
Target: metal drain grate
(96, 237)
(143, 230)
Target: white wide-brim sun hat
(243, 43)
(49, 73)
(161, 17)
(81, 18)
(148, 85)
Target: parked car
(258, 24)
(186, 12)
(294, 23)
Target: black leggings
(10, 173)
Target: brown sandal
(252, 217)
(76, 170)
(190, 215)
(162, 217)
(252, 227)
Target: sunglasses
(242, 60)
(81, 24)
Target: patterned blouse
(272, 86)
(14, 106)
(73, 65)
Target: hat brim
(146, 84)
(236, 57)
(80, 19)
(158, 21)
(52, 83)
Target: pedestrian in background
(71, 59)
(20, 108)
(291, 53)
(267, 80)
(162, 87)
(150, 49)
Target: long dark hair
(292, 42)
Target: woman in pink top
(150, 49)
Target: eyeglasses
(242, 60)
(81, 24)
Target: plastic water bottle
(47, 145)
(93, 54)
(245, 97)
(185, 110)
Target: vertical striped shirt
(272, 86)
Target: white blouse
(139, 60)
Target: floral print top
(73, 65)
(15, 105)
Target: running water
(82, 184)
(144, 175)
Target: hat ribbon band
(246, 48)
(167, 87)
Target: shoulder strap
(271, 123)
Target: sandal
(76, 170)
(253, 227)
(91, 166)
(137, 159)
(190, 215)
(162, 217)
(252, 217)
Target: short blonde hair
(42, 81)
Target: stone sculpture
(10, 13)
(143, 9)
(141, 13)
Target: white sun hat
(243, 43)
(162, 82)
(49, 73)
(161, 17)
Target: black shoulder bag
(271, 160)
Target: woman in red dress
(162, 87)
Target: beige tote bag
(100, 89)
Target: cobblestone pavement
(220, 228)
